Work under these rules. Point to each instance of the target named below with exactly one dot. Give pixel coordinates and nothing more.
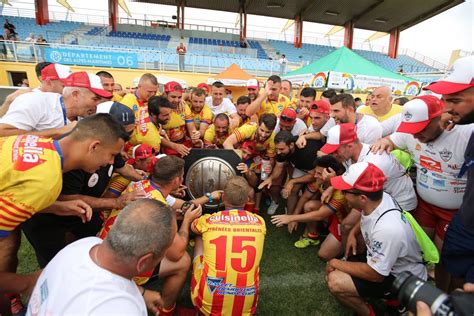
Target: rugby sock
(313, 235)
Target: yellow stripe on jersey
(30, 178)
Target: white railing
(147, 59)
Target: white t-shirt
(326, 127)
(390, 125)
(438, 164)
(72, 284)
(225, 107)
(368, 130)
(398, 184)
(391, 244)
(36, 111)
(297, 129)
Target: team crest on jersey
(135, 107)
(446, 155)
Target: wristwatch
(209, 196)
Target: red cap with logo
(141, 151)
(55, 72)
(419, 112)
(83, 79)
(363, 176)
(173, 86)
(321, 106)
(339, 135)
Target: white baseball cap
(460, 79)
(252, 83)
(55, 72)
(338, 135)
(419, 112)
(362, 176)
(84, 79)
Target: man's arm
(359, 270)
(384, 144)
(10, 98)
(319, 215)
(276, 173)
(130, 173)
(16, 283)
(254, 107)
(180, 242)
(101, 203)
(180, 148)
(230, 142)
(9, 130)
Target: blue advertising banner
(90, 57)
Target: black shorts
(372, 289)
(457, 255)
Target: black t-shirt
(303, 159)
(81, 182)
(466, 211)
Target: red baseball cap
(321, 106)
(55, 72)
(289, 114)
(339, 135)
(173, 86)
(84, 79)
(363, 176)
(419, 112)
(249, 146)
(460, 79)
(203, 86)
(141, 151)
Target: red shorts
(335, 227)
(428, 215)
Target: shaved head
(381, 101)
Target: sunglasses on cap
(286, 118)
(314, 107)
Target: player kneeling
(227, 256)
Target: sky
(434, 38)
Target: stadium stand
(204, 51)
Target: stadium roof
(375, 15)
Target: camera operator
(391, 244)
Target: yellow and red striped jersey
(30, 178)
(145, 132)
(225, 278)
(249, 132)
(151, 191)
